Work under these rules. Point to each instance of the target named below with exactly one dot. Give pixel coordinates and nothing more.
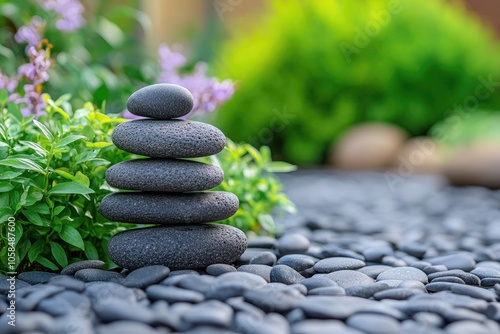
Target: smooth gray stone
(266, 258)
(377, 254)
(468, 278)
(439, 286)
(298, 262)
(126, 327)
(383, 308)
(27, 322)
(292, 243)
(183, 272)
(335, 251)
(226, 291)
(5, 284)
(490, 281)
(164, 175)
(251, 281)
(411, 284)
(146, 276)
(393, 261)
(273, 323)
(366, 291)
(257, 269)
(282, 300)
(434, 269)
(469, 327)
(375, 270)
(218, 269)
(392, 283)
(172, 294)
(322, 327)
(413, 327)
(67, 282)
(284, 274)
(429, 319)
(240, 305)
(177, 247)
(397, 293)
(333, 307)
(211, 313)
(116, 310)
(483, 272)
(94, 275)
(201, 283)
(332, 264)
(317, 282)
(169, 209)
(295, 316)
(404, 274)
(72, 323)
(72, 268)
(327, 291)
(456, 300)
(261, 241)
(493, 311)
(455, 261)
(374, 323)
(349, 278)
(449, 279)
(65, 303)
(414, 248)
(252, 252)
(459, 314)
(169, 139)
(161, 101)
(36, 277)
(473, 291)
(29, 300)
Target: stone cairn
(169, 190)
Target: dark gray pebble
(116, 310)
(483, 272)
(219, 269)
(266, 258)
(146, 276)
(397, 293)
(298, 262)
(177, 247)
(172, 294)
(473, 291)
(374, 270)
(257, 269)
(94, 275)
(211, 313)
(327, 291)
(285, 274)
(202, 283)
(87, 264)
(280, 301)
(261, 242)
(31, 296)
(468, 278)
(67, 282)
(251, 281)
(161, 101)
(455, 261)
(489, 282)
(165, 175)
(332, 307)
(414, 249)
(36, 277)
(374, 323)
(100, 293)
(292, 243)
(377, 254)
(226, 291)
(434, 269)
(317, 282)
(169, 139)
(366, 291)
(403, 273)
(332, 264)
(169, 209)
(334, 251)
(349, 278)
(449, 279)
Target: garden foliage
(333, 64)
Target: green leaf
(82, 179)
(36, 249)
(14, 110)
(72, 236)
(281, 167)
(72, 187)
(22, 163)
(46, 263)
(40, 208)
(46, 132)
(58, 209)
(9, 175)
(100, 144)
(59, 254)
(91, 251)
(4, 96)
(36, 147)
(33, 217)
(5, 187)
(69, 139)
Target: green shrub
(305, 56)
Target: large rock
(421, 155)
(169, 209)
(169, 139)
(165, 175)
(475, 165)
(177, 247)
(161, 101)
(371, 146)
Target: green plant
(333, 64)
(52, 180)
(248, 173)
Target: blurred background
(395, 85)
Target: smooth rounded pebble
(349, 278)
(404, 274)
(35, 277)
(93, 275)
(455, 261)
(337, 263)
(165, 175)
(169, 209)
(177, 247)
(293, 243)
(169, 139)
(146, 276)
(172, 294)
(72, 268)
(218, 269)
(374, 323)
(161, 101)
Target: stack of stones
(168, 190)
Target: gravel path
(360, 257)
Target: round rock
(404, 274)
(169, 209)
(177, 247)
(169, 139)
(161, 101)
(165, 175)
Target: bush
(306, 57)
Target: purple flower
(36, 69)
(30, 33)
(33, 101)
(8, 83)
(70, 13)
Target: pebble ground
(361, 256)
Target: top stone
(161, 101)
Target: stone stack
(168, 190)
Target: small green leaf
(4, 96)
(58, 209)
(100, 144)
(46, 132)
(281, 167)
(36, 147)
(91, 251)
(5, 187)
(14, 110)
(59, 254)
(33, 217)
(40, 208)
(68, 140)
(36, 249)
(72, 187)
(82, 179)
(46, 263)
(22, 163)
(9, 175)
(72, 236)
